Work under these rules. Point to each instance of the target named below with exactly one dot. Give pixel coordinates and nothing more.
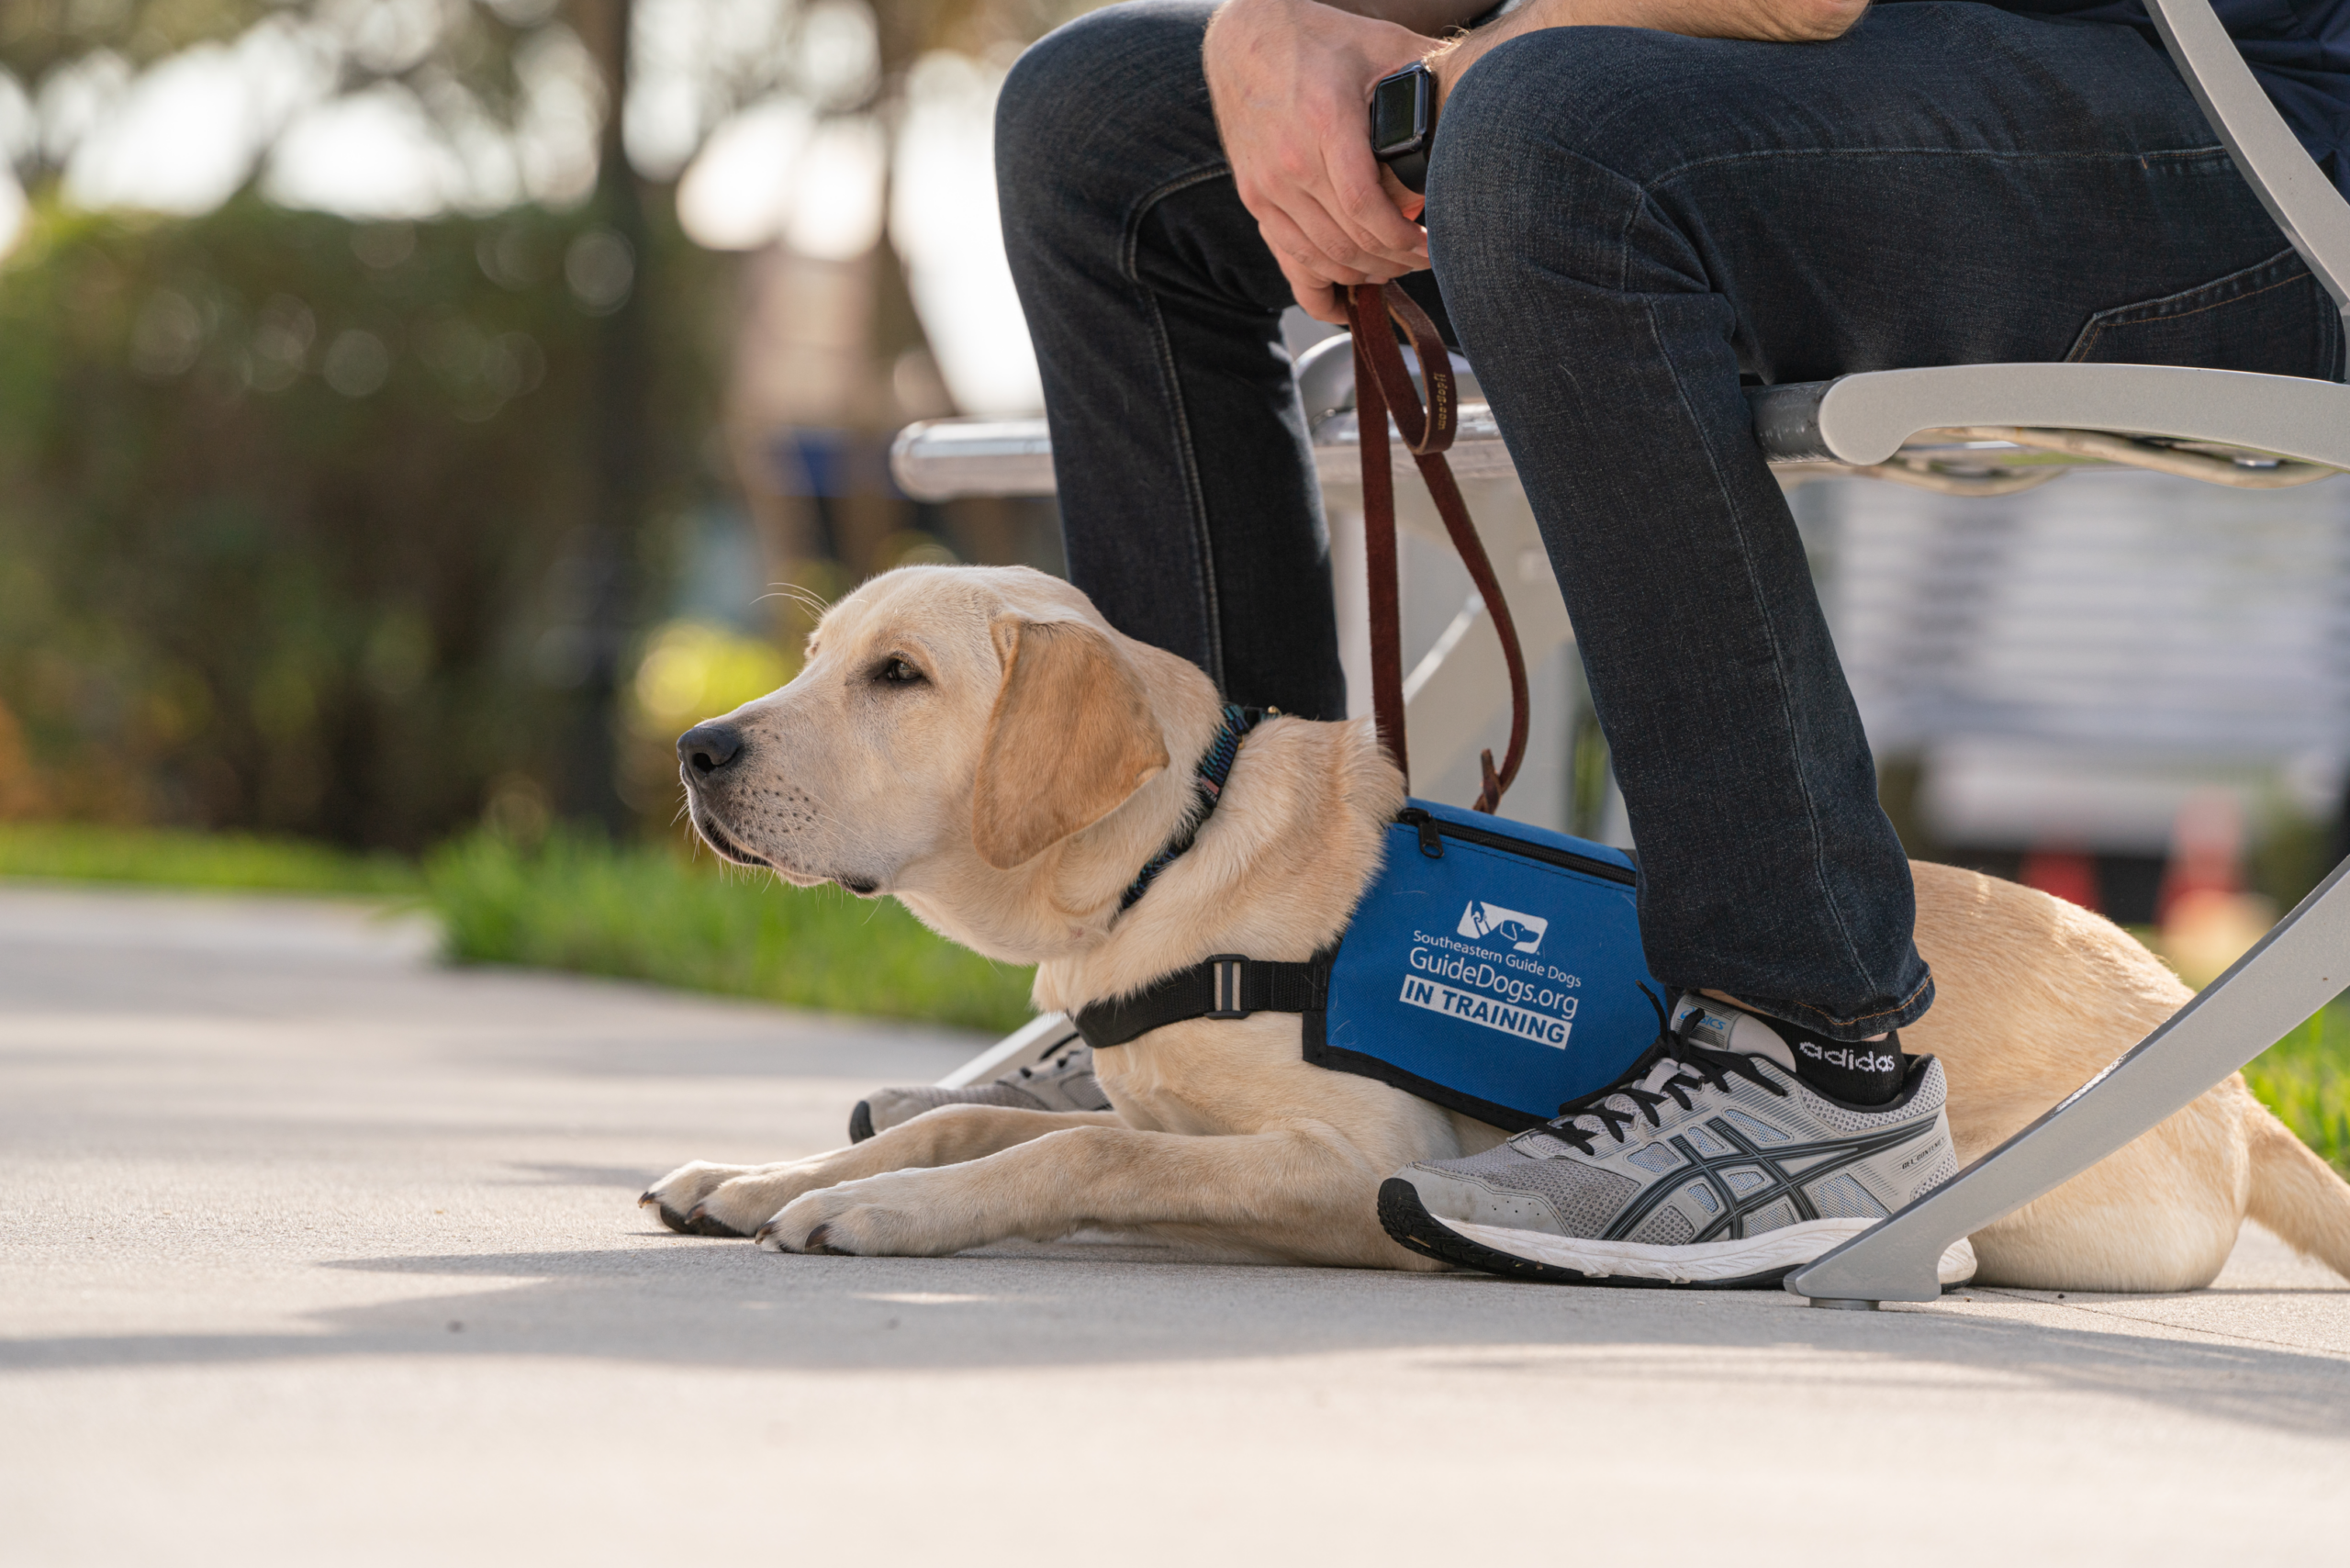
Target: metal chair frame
(1969, 430)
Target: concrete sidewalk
(316, 1254)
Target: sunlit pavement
(316, 1254)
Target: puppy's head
(950, 722)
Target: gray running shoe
(1705, 1167)
(1064, 1083)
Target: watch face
(1399, 113)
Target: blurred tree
(501, 85)
(72, 57)
(289, 513)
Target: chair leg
(2290, 974)
(1044, 1035)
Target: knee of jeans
(1626, 102)
(1088, 77)
(1545, 152)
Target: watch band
(1411, 170)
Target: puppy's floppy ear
(1070, 739)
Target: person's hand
(1291, 81)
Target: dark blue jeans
(1625, 226)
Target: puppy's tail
(2297, 1194)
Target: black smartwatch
(1402, 123)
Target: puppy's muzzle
(705, 754)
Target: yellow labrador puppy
(980, 745)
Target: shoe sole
(1752, 1263)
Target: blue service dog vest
(1492, 968)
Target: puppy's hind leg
(734, 1200)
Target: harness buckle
(1226, 970)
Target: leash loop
(1367, 314)
(1382, 386)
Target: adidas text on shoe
(1708, 1168)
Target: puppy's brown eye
(896, 671)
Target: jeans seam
(1746, 557)
(1668, 175)
(1194, 489)
(2104, 319)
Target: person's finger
(1296, 186)
(1411, 204)
(1364, 256)
(1284, 238)
(1364, 205)
(1294, 178)
(1329, 271)
(1306, 212)
(1290, 243)
(1315, 297)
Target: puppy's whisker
(806, 599)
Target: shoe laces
(1667, 1070)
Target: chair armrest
(1863, 420)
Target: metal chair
(2151, 416)
(1969, 430)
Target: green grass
(2305, 1078)
(577, 902)
(85, 852)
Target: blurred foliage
(439, 48)
(690, 670)
(79, 852)
(2290, 852)
(470, 59)
(288, 508)
(577, 901)
(2305, 1078)
(37, 35)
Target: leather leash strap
(1382, 386)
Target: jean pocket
(2273, 318)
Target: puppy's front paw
(881, 1216)
(678, 1198)
(747, 1201)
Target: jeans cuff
(1848, 1031)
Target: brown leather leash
(1381, 386)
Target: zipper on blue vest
(1433, 831)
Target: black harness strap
(1226, 986)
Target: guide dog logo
(1490, 922)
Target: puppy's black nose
(706, 748)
